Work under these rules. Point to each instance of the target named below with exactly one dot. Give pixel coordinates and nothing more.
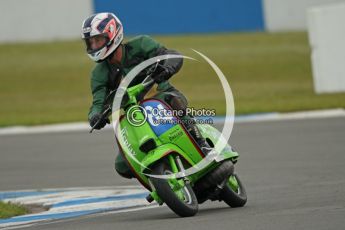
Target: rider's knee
(122, 168)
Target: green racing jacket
(106, 77)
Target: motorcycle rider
(103, 36)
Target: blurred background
(277, 55)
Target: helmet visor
(96, 43)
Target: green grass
(49, 82)
(8, 210)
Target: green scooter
(167, 161)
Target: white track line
(83, 126)
(24, 225)
(340, 112)
(73, 203)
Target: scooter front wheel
(180, 199)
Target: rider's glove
(102, 121)
(162, 73)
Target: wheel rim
(182, 193)
(187, 195)
(233, 183)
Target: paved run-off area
(293, 171)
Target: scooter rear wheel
(234, 193)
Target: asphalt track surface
(293, 172)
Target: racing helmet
(102, 34)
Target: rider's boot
(193, 129)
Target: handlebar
(147, 83)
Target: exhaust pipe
(215, 177)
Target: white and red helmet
(102, 24)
